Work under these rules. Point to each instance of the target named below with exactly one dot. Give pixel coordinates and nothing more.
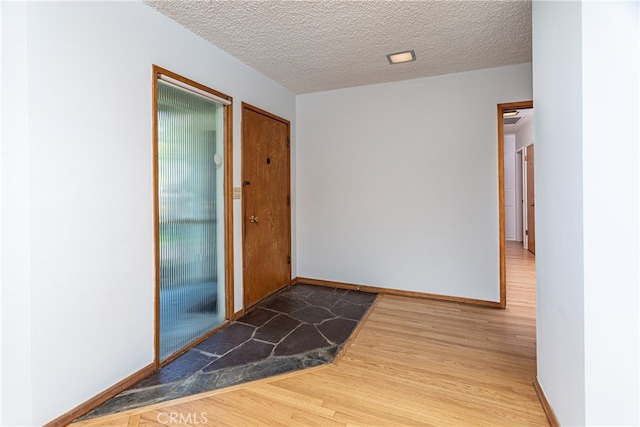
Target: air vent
(511, 120)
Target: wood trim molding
(266, 113)
(501, 211)
(228, 211)
(237, 314)
(159, 70)
(388, 291)
(102, 397)
(546, 406)
(156, 218)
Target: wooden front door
(266, 204)
(531, 210)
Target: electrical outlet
(237, 192)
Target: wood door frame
(246, 106)
(228, 210)
(525, 223)
(529, 230)
(501, 210)
(520, 179)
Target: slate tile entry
(299, 327)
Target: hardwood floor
(411, 362)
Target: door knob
(253, 219)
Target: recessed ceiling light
(400, 57)
(510, 113)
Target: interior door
(266, 204)
(531, 211)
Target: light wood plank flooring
(411, 362)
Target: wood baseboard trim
(546, 406)
(398, 292)
(102, 397)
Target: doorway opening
(192, 163)
(511, 190)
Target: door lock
(253, 219)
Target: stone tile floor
(299, 327)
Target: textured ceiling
(313, 46)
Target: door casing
(531, 212)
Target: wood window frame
(228, 210)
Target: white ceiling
(313, 46)
(526, 116)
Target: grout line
(323, 336)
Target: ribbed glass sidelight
(191, 213)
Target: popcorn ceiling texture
(313, 46)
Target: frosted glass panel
(191, 229)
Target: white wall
(524, 134)
(557, 98)
(390, 196)
(519, 195)
(1, 226)
(77, 151)
(610, 99)
(510, 186)
(16, 322)
(524, 137)
(585, 78)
